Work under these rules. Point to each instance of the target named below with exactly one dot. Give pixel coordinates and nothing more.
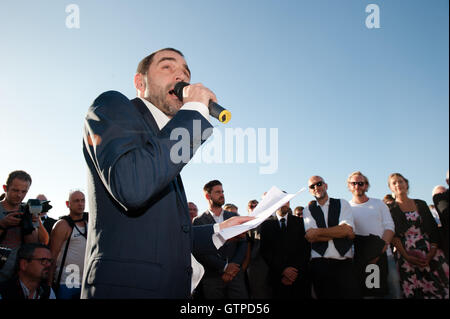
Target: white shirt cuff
(217, 239)
(197, 106)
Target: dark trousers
(334, 279)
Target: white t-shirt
(345, 217)
(372, 217)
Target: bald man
(329, 228)
(68, 246)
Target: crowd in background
(329, 249)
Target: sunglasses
(318, 184)
(357, 183)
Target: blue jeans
(68, 293)
(393, 280)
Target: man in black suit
(140, 236)
(223, 275)
(286, 252)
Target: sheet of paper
(274, 199)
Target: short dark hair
(145, 63)
(209, 186)
(26, 251)
(22, 175)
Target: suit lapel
(146, 114)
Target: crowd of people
(45, 261)
(143, 240)
(332, 249)
(325, 250)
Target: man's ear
(207, 196)
(4, 188)
(67, 204)
(139, 82)
(22, 264)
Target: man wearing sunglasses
(372, 217)
(34, 261)
(329, 229)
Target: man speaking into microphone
(140, 236)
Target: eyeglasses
(357, 183)
(318, 184)
(43, 261)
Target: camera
(30, 208)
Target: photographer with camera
(14, 228)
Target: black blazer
(280, 252)
(429, 225)
(140, 236)
(233, 251)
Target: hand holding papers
(274, 199)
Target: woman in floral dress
(421, 263)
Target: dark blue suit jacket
(140, 236)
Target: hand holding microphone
(215, 110)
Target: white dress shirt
(345, 217)
(280, 217)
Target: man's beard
(218, 203)
(160, 101)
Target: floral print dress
(430, 282)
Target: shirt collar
(327, 203)
(214, 215)
(161, 119)
(279, 218)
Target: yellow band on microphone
(225, 116)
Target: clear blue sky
(343, 97)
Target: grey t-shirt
(12, 240)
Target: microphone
(215, 110)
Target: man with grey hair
(68, 246)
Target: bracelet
(434, 246)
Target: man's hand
(235, 220)
(231, 271)
(312, 234)
(290, 273)
(349, 231)
(11, 220)
(198, 93)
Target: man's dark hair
(26, 251)
(22, 175)
(147, 61)
(209, 186)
